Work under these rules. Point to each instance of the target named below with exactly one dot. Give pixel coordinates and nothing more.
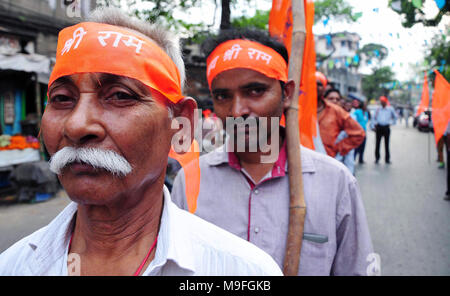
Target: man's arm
(373, 121)
(354, 243)
(355, 136)
(394, 116)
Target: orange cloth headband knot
(241, 53)
(94, 47)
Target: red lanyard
(146, 257)
(138, 271)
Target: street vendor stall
(15, 150)
(18, 149)
(23, 79)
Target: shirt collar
(220, 156)
(52, 244)
(233, 162)
(173, 241)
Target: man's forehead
(242, 77)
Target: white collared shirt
(187, 245)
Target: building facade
(28, 40)
(337, 58)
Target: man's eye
(61, 101)
(220, 97)
(256, 91)
(122, 96)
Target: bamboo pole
(297, 206)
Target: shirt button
(256, 229)
(256, 191)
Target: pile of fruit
(8, 142)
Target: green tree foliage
(160, 12)
(259, 21)
(413, 13)
(373, 52)
(339, 9)
(438, 55)
(372, 84)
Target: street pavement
(20, 220)
(407, 216)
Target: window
(351, 89)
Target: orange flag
(191, 166)
(280, 26)
(440, 105)
(425, 100)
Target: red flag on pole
(280, 26)
(425, 100)
(440, 105)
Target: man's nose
(84, 122)
(240, 107)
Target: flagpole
(297, 206)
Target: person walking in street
(362, 117)
(253, 200)
(440, 152)
(407, 114)
(382, 120)
(333, 119)
(349, 159)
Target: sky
(378, 24)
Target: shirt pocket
(314, 258)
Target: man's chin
(94, 189)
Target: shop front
(23, 88)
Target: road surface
(408, 218)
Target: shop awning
(26, 62)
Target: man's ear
(288, 93)
(184, 114)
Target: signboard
(9, 45)
(8, 108)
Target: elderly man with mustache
(115, 87)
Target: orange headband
(240, 53)
(95, 47)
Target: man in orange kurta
(332, 121)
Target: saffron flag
(280, 26)
(440, 105)
(191, 166)
(425, 100)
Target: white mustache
(98, 158)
